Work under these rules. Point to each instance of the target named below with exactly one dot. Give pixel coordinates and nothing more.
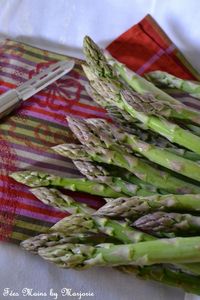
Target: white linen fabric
(60, 25)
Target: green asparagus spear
(143, 110)
(99, 65)
(96, 59)
(39, 178)
(100, 133)
(99, 174)
(126, 123)
(75, 224)
(46, 240)
(166, 275)
(171, 131)
(175, 250)
(142, 170)
(193, 128)
(57, 199)
(167, 80)
(81, 223)
(184, 153)
(184, 281)
(134, 207)
(138, 83)
(143, 86)
(162, 223)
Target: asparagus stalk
(57, 199)
(96, 59)
(51, 239)
(168, 80)
(46, 240)
(75, 224)
(161, 223)
(126, 123)
(99, 65)
(79, 227)
(166, 275)
(100, 133)
(195, 129)
(176, 250)
(56, 238)
(142, 108)
(114, 229)
(81, 223)
(134, 207)
(171, 131)
(39, 178)
(99, 173)
(143, 86)
(185, 154)
(138, 83)
(142, 170)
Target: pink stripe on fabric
(34, 203)
(33, 215)
(26, 112)
(62, 108)
(154, 58)
(14, 67)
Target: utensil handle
(9, 101)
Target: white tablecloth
(60, 25)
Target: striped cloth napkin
(28, 133)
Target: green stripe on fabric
(31, 136)
(30, 226)
(32, 49)
(34, 121)
(34, 221)
(28, 127)
(19, 236)
(34, 56)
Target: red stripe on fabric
(57, 115)
(7, 84)
(44, 211)
(21, 187)
(7, 165)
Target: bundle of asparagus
(146, 166)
